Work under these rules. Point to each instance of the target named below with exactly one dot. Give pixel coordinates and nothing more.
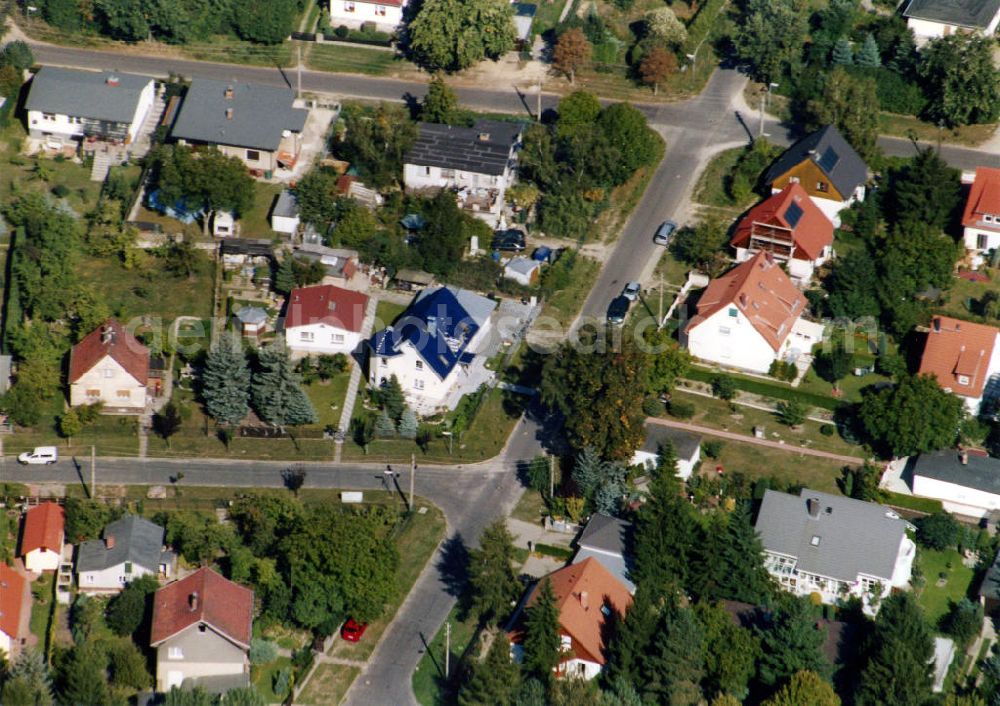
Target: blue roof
(439, 326)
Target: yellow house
(112, 367)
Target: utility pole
(413, 473)
(538, 104)
(447, 648)
(298, 72)
(659, 309)
(552, 476)
(93, 473)
(760, 131)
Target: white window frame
(175, 652)
(418, 384)
(336, 338)
(306, 336)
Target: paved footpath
(743, 438)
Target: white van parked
(40, 455)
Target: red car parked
(352, 631)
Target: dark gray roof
(135, 539)
(685, 444)
(86, 94)
(831, 153)
(854, 537)
(990, 587)
(981, 472)
(605, 533)
(286, 206)
(964, 13)
(483, 148)
(260, 114)
(251, 315)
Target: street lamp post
(763, 107)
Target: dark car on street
(618, 310)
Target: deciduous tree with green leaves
(452, 35)
(961, 79)
(851, 104)
(805, 687)
(440, 105)
(913, 416)
(770, 36)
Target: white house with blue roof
(437, 349)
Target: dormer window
(815, 540)
(987, 218)
(963, 379)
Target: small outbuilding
(522, 270)
(223, 224)
(285, 214)
(253, 321)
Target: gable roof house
(834, 547)
(386, 15)
(109, 365)
(981, 217)
(966, 483)
(257, 124)
(939, 18)
(687, 448)
(965, 359)
(827, 167)
(790, 227)
(606, 539)
(750, 317)
(477, 162)
(201, 630)
(437, 349)
(15, 611)
(587, 595)
(73, 104)
(324, 319)
(42, 537)
(131, 547)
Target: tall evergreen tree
(492, 577)
(741, 574)
(492, 681)
(790, 642)
(226, 381)
(731, 652)
(898, 667)
(675, 665)
(84, 678)
(384, 426)
(408, 425)
(28, 682)
(542, 643)
(868, 57)
(843, 53)
(631, 638)
(392, 399)
(284, 278)
(805, 689)
(276, 394)
(588, 469)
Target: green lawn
(328, 399)
(255, 222)
(42, 598)
(429, 685)
(530, 507)
(328, 685)
(850, 387)
(565, 304)
(762, 462)
(386, 312)
(711, 187)
(355, 59)
(933, 598)
(962, 299)
(110, 435)
(262, 677)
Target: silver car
(664, 232)
(631, 291)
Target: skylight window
(793, 213)
(815, 540)
(829, 160)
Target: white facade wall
(142, 110)
(321, 339)
(927, 29)
(6, 643)
(38, 560)
(580, 669)
(112, 579)
(971, 239)
(731, 341)
(353, 12)
(423, 177)
(108, 382)
(71, 127)
(965, 501)
(685, 466)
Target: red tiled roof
(983, 200)
(761, 290)
(12, 588)
(110, 339)
(203, 597)
(43, 528)
(956, 348)
(326, 304)
(581, 591)
(811, 233)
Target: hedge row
(928, 505)
(561, 553)
(768, 389)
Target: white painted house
(42, 537)
(387, 15)
(479, 163)
(965, 359)
(686, 446)
(323, 320)
(981, 217)
(109, 366)
(750, 317)
(131, 547)
(64, 105)
(965, 483)
(834, 547)
(437, 349)
(930, 19)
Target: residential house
(940, 18)
(827, 167)
(257, 124)
(437, 349)
(522, 270)
(750, 317)
(686, 446)
(965, 359)
(323, 320)
(42, 537)
(15, 611)
(834, 547)
(65, 105)
(587, 595)
(285, 214)
(386, 15)
(965, 483)
(340, 263)
(201, 630)
(606, 539)
(110, 366)
(524, 18)
(790, 227)
(478, 162)
(131, 547)
(981, 218)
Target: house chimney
(193, 602)
(109, 542)
(584, 600)
(484, 137)
(937, 324)
(112, 81)
(743, 299)
(812, 505)
(229, 93)
(229, 113)
(963, 456)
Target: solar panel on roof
(793, 213)
(829, 160)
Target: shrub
(791, 413)
(651, 406)
(723, 387)
(713, 448)
(783, 370)
(368, 27)
(262, 651)
(342, 31)
(282, 681)
(681, 409)
(827, 429)
(938, 531)
(60, 191)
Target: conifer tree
(868, 57)
(28, 682)
(741, 575)
(843, 53)
(384, 426)
(284, 278)
(542, 643)
(276, 394)
(631, 638)
(84, 678)
(898, 667)
(440, 105)
(408, 426)
(494, 680)
(226, 381)
(803, 688)
(492, 577)
(790, 642)
(675, 665)
(392, 399)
